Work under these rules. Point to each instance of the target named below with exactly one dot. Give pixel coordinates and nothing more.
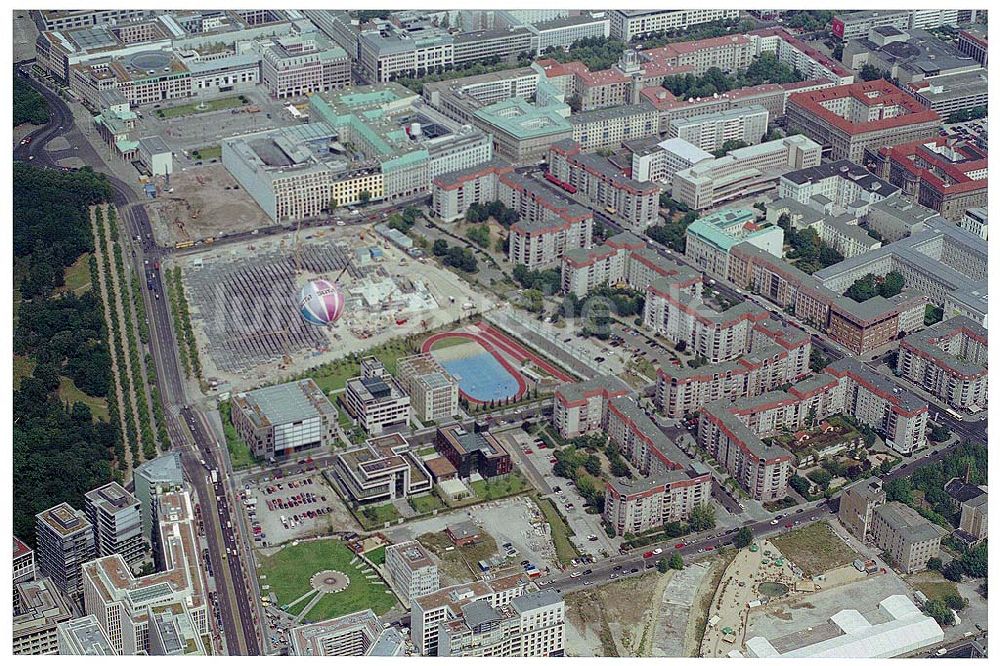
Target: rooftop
(912, 525)
(285, 403)
(523, 120)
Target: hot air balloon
(321, 302)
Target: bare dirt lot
(815, 549)
(614, 620)
(206, 202)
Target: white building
(627, 24)
(433, 391)
(653, 159)
(279, 421)
(115, 516)
(156, 156)
(850, 635)
(411, 570)
(376, 399)
(530, 625)
(976, 220)
(710, 132)
(150, 477)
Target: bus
(183, 244)
(611, 210)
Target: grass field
(207, 153)
(68, 392)
(288, 572)
(333, 376)
(936, 589)
(375, 517)
(377, 556)
(23, 367)
(460, 563)
(814, 548)
(191, 109)
(426, 503)
(78, 275)
(239, 452)
(561, 532)
(491, 489)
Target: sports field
(291, 573)
(480, 375)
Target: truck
(215, 476)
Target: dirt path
(125, 468)
(123, 291)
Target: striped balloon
(321, 302)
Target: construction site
(201, 204)
(245, 309)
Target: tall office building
(65, 541)
(114, 514)
(151, 476)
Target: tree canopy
(29, 105)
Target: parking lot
(294, 507)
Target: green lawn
(68, 392)
(937, 589)
(239, 452)
(815, 548)
(190, 109)
(561, 532)
(207, 153)
(374, 517)
(377, 556)
(78, 275)
(23, 367)
(333, 376)
(288, 572)
(491, 489)
(426, 503)
(426, 451)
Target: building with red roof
(850, 118)
(943, 174)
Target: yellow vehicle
(611, 210)
(183, 244)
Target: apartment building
(126, 606)
(761, 470)
(433, 391)
(359, 634)
(384, 468)
(646, 265)
(898, 415)
(376, 399)
(907, 538)
(628, 24)
(778, 354)
(715, 335)
(453, 193)
(637, 506)
(581, 408)
(282, 420)
(609, 127)
(549, 224)
(149, 478)
(431, 611)
(710, 238)
(948, 360)
(857, 507)
(64, 540)
(411, 570)
(302, 65)
(744, 172)
(710, 132)
(658, 160)
(530, 625)
(38, 611)
(941, 173)
(858, 116)
(635, 202)
(84, 636)
(115, 516)
(584, 269)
